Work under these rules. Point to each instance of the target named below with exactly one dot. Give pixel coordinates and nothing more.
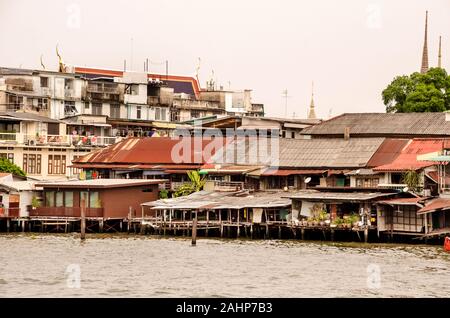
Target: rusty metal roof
(148, 150)
(384, 124)
(404, 201)
(435, 205)
(407, 159)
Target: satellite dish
(405, 189)
(308, 180)
(358, 171)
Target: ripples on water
(132, 266)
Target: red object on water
(447, 244)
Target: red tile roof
(407, 159)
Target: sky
(350, 49)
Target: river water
(135, 266)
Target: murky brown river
(133, 266)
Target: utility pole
(285, 96)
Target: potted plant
(35, 203)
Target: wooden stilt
(251, 231)
(83, 219)
(302, 231)
(221, 229)
(194, 230)
(279, 232)
(121, 226)
(267, 231)
(8, 224)
(23, 226)
(100, 226)
(332, 235)
(366, 234)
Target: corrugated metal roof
(435, 205)
(301, 153)
(149, 151)
(222, 200)
(337, 196)
(384, 124)
(407, 159)
(404, 201)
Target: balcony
(103, 88)
(56, 140)
(66, 212)
(7, 137)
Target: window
(68, 199)
(175, 116)
(160, 113)
(293, 134)
(115, 111)
(86, 105)
(94, 200)
(56, 164)
(96, 108)
(15, 102)
(32, 163)
(53, 129)
(9, 156)
(195, 114)
(132, 89)
(367, 182)
(44, 81)
(138, 112)
(69, 108)
(50, 198)
(59, 202)
(42, 103)
(68, 83)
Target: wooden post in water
(332, 234)
(8, 224)
(83, 219)
(366, 234)
(194, 230)
(302, 231)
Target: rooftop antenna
(42, 63)
(60, 61)
(440, 54)
(285, 96)
(197, 70)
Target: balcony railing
(103, 88)
(8, 137)
(56, 140)
(66, 212)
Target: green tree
(7, 166)
(196, 184)
(412, 179)
(418, 92)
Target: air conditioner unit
(31, 142)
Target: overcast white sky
(350, 48)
